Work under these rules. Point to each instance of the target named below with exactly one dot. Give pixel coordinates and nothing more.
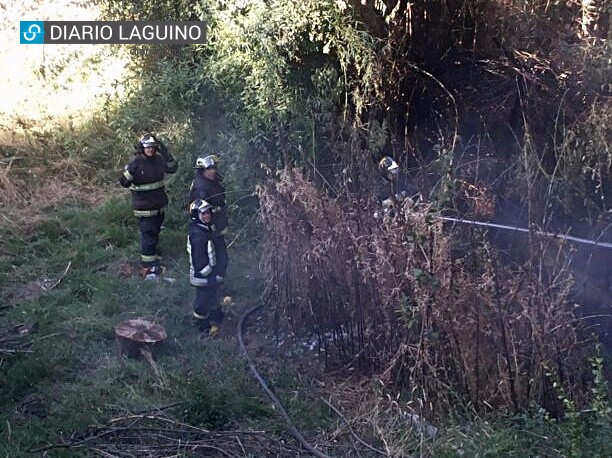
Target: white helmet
(149, 140)
(206, 162)
(199, 206)
(387, 164)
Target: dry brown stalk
(416, 304)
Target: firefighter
(203, 268)
(207, 184)
(144, 176)
(392, 188)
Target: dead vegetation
(157, 434)
(25, 200)
(433, 311)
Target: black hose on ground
(277, 404)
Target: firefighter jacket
(213, 192)
(202, 255)
(389, 191)
(144, 176)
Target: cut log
(137, 335)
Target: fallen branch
(160, 436)
(13, 351)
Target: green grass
(75, 373)
(531, 435)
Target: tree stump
(139, 337)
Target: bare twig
(348, 425)
(57, 282)
(139, 435)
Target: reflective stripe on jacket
(144, 176)
(202, 255)
(146, 213)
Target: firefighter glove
(163, 150)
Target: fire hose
(277, 404)
(522, 229)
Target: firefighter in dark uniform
(144, 176)
(391, 187)
(203, 268)
(207, 184)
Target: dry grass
(420, 308)
(26, 202)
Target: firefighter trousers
(207, 306)
(150, 227)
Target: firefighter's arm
(171, 163)
(202, 259)
(129, 172)
(199, 258)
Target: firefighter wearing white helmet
(204, 268)
(207, 162)
(207, 184)
(144, 176)
(391, 185)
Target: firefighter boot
(151, 273)
(213, 331)
(216, 318)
